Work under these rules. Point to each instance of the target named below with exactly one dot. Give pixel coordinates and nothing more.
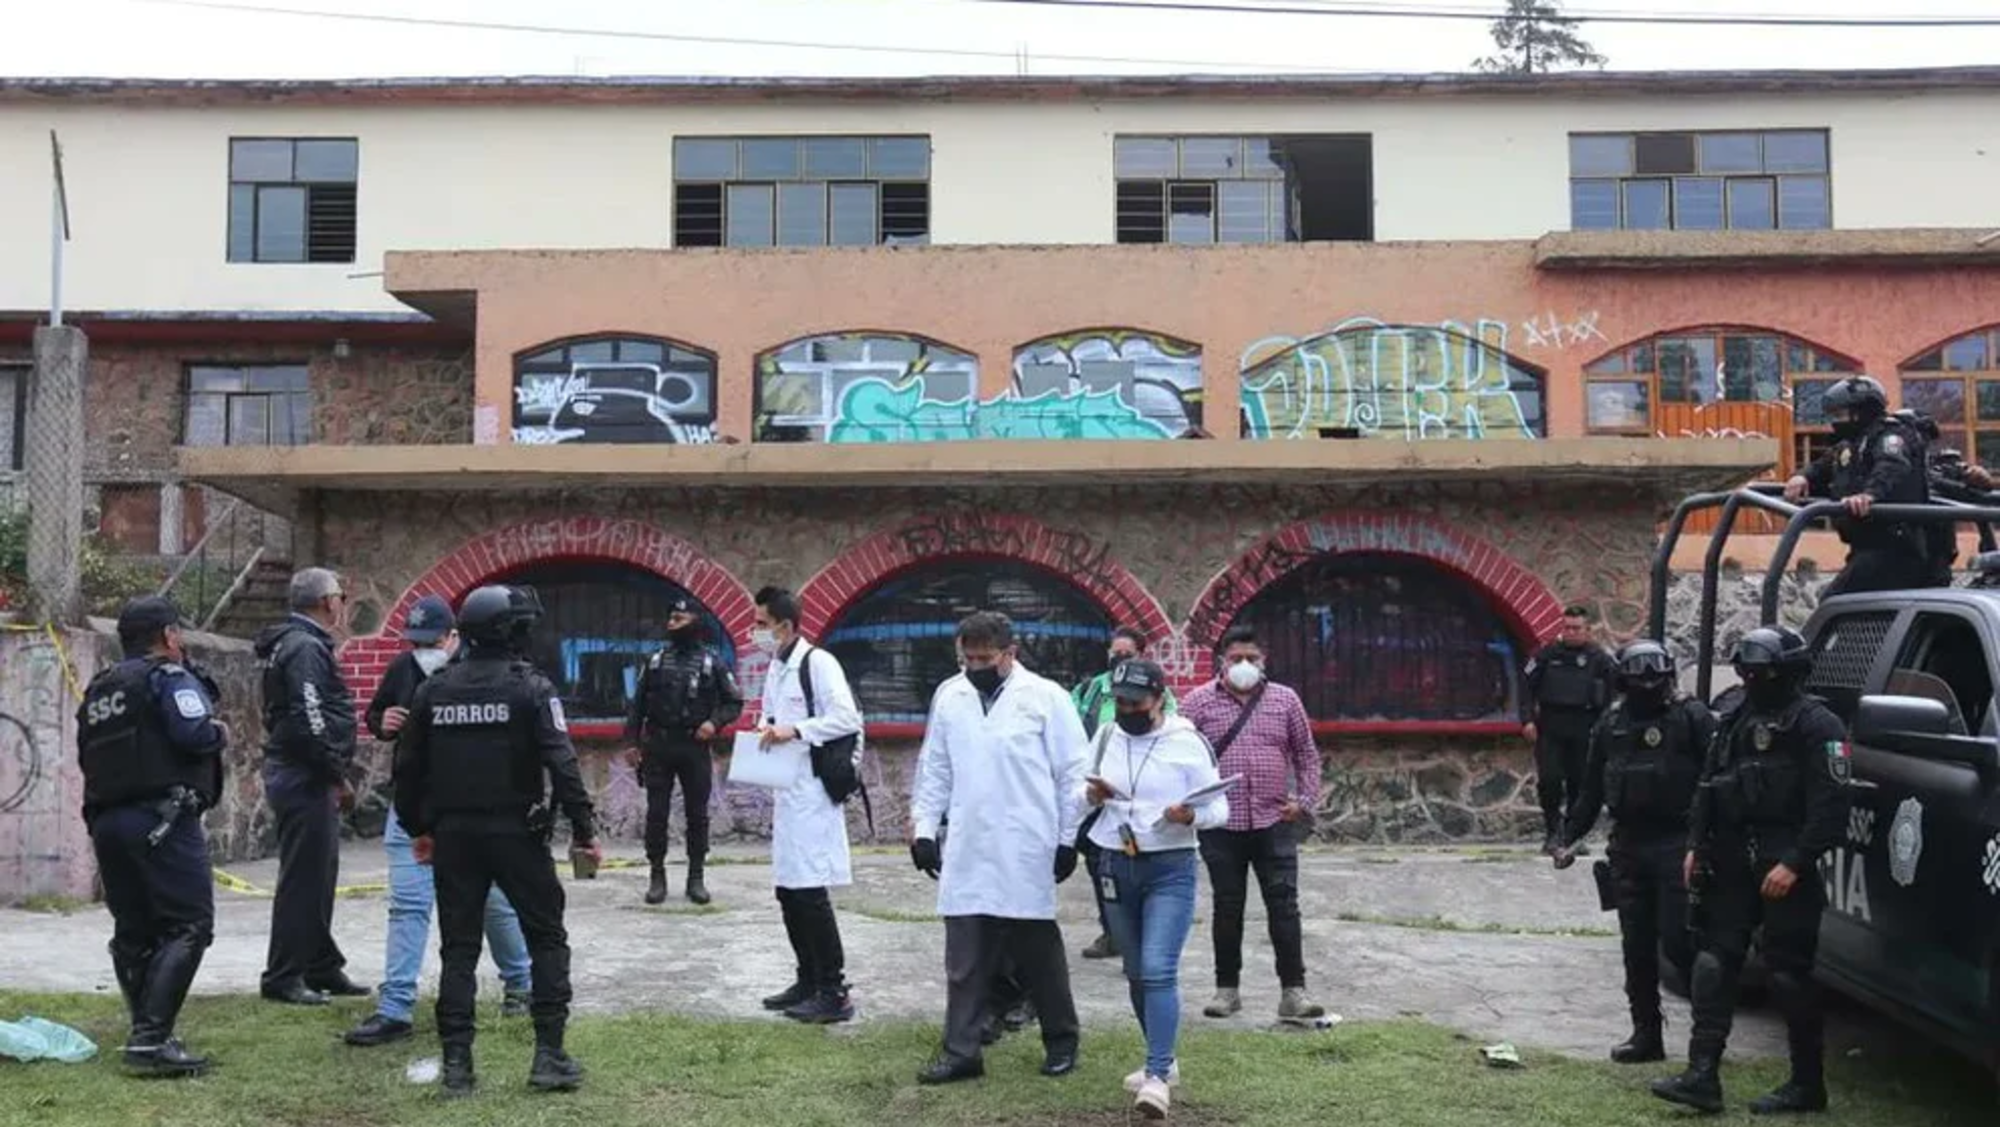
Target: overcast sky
(188, 39)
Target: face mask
(1136, 723)
(764, 639)
(682, 636)
(1244, 675)
(985, 678)
(1115, 659)
(1646, 697)
(1846, 429)
(1767, 691)
(431, 660)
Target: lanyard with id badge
(1128, 840)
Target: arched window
(1099, 383)
(599, 622)
(865, 388)
(1721, 382)
(896, 641)
(1368, 636)
(1958, 384)
(1366, 379)
(614, 389)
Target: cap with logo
(147, 614)
(1138, 679)
(428, 621)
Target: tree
(1534, 37)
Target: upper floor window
(13, 412)
(267, 405)
(627, 389)
(1742, 181)
(1958, 385)
(1243, 189)
(802, 191)
(292, 200)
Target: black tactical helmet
(495, 615)
(1644, 660)
(1772, 647)
(1857, 393)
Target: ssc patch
(190, 705)
(1761, 737)
(1653, 737)
(1892, 444)
(556, 716)
(1839, 763)
(1846, 456)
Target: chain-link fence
(54, 473)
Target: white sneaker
(1153, 1099)
(1137, 1080)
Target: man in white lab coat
(806, 698)
(1004, 760)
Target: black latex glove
(924, 855)
(1065, 862)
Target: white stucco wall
(148, 188)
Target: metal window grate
(1845, 651)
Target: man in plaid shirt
(1259, 730)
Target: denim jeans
(412, 890)
(1150, 917)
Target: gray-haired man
(308, 750)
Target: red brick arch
(973, 534)
(1523, 602)
(493, 554)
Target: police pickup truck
(1912, 926)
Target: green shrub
(108, 579)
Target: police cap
(428, 621)
(147, 616)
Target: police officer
(1878, 458)
(481, 734)
(686, 695)
(1772, 800)
(1645, 758)
(151, 754)
(1569, 683)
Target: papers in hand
(776, 767)
(1200, 796)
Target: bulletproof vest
(679, 688)
(1568, 679)
(1651, 766)
(1762, 785)
(122, 743)
(482, 750)
(1853, 463)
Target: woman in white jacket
(1146, 769)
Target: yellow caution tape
(235, 883)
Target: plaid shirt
(1274, 747)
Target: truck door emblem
(1992, 870)
(1906, 842)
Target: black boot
(168, 1058)
(1791, 1096)
(152, 1050)
(1700, 1087)
(553, 1070)
(1806, 1090)
(1550, 841)
(656, 892)
(130, 971)
(697, 889)
(1644, 1046)
(458, 1077)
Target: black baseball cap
(680, 604)
(147, 615)
(1138, 679)
(428, 621)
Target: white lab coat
(1011, 782)
(808, 832)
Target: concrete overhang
(277, 477)
(1767, 250)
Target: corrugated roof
(199, 92)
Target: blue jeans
(1150, 918)
(412, 890)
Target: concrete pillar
(55, 473)
(171, 518)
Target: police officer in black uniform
(151, 754)
(1645, 758)
(1772, 800)
(481, 735)
(1569, 684)
(686, 695)
(1879, 458)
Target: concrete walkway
(1490, 942)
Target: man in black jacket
(1878, 459)
(686, 694)
(308, 752)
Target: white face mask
(764, 639)
(431, 660)
(1244, 675)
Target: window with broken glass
(293, 199)
(1741, 181)
(802, 191)
(1196, 190)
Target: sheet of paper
(1198, 797)
(777, 767)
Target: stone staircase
(261, 602)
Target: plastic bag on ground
(34, 1038)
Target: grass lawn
(278, 1065)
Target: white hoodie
(1153, 772)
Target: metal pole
(58, 229)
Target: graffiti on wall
(1083, 558)
(1103, 383)
(1371, 379)
(615, 389)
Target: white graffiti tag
(1551, 331)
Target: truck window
(1843, 655)
(1943, 659)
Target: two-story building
(1391, 368)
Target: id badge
(1109, 888)
(1129, 840)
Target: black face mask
(1848, 429)
(1768, 691)
(985, 679)
(1647, 698)
(1136, 723)
(685, 635)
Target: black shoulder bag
(833, 762)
